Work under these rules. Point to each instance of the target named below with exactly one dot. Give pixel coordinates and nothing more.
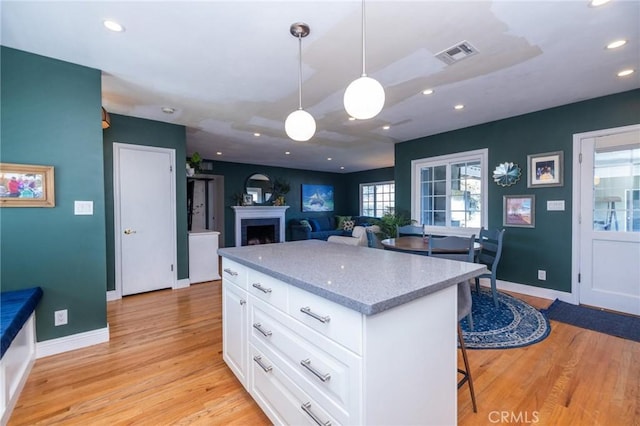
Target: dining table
(420, 245)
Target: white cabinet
(308, 360)
(203, 256)
(234, 325)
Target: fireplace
(259, 224)
(260, 231)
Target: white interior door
(610, 221)
(144, 190)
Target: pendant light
(300, 125)
(364, 97)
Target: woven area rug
(512, 324)
(619, 325)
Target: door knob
(129, 231)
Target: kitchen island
(333, 334)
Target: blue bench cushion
(15, 309)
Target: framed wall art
(317, 198)
(26, 185)
(519, 210)
(545, 169)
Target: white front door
(609, 229)
(145, 222)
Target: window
(378, 198)
(450, 191)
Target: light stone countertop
(363, 279)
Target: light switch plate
(555, 205)
(83, 208)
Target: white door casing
(606, 251)
(144, 218)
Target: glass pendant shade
(300, 125)
(364, 98)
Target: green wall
(51, 116)
(236, 174)
(548, 245)
(138, 131)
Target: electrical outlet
(542, 275)
(60, 317)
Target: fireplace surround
(259, 216)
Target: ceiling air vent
(456, 53)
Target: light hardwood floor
(163, 365)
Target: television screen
(317, 198)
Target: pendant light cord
(299, 71)
(364, 73)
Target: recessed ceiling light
(596, 3)
(625, 73)
(341, 167)
(287, 153)
(459, 106)
(616, 44)
(329, 158)
(427, 92)
(256, 134)
(352, 119)
(387, 127)
(168, 110)
(113, 26)
(218, 153)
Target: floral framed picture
(247, 200)
(26, 185)
(519, 211)
(545, 169)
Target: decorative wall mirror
(260, 187)
(506, 174)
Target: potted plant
(281, 188)
(194, 162)
(389, 222)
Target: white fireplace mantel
(258, 212)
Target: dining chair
(490, 254)
(459, 248)
(409, 230)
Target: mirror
(506, 174)
(260, 188)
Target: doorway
(144, 218)
(607, 219)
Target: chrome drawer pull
(230, 272)
(258, 360)
(258, 326)
(262, 289)
(306, 363)
(306, 407)
(307, 310)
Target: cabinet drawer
(234, 272)
(326, 371)
(268, 289)
(280, 398)
(328, 318)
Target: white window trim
(416, 165)
(384, 182)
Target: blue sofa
(322, 227)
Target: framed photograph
(26, 185)
(247, 199)
(545, 169)
(519, 210)
(317, 198)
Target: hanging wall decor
(506, 174)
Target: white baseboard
(530, 290)
(74, 341)
(113, 295)
(183, 283)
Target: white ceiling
(231, 68)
